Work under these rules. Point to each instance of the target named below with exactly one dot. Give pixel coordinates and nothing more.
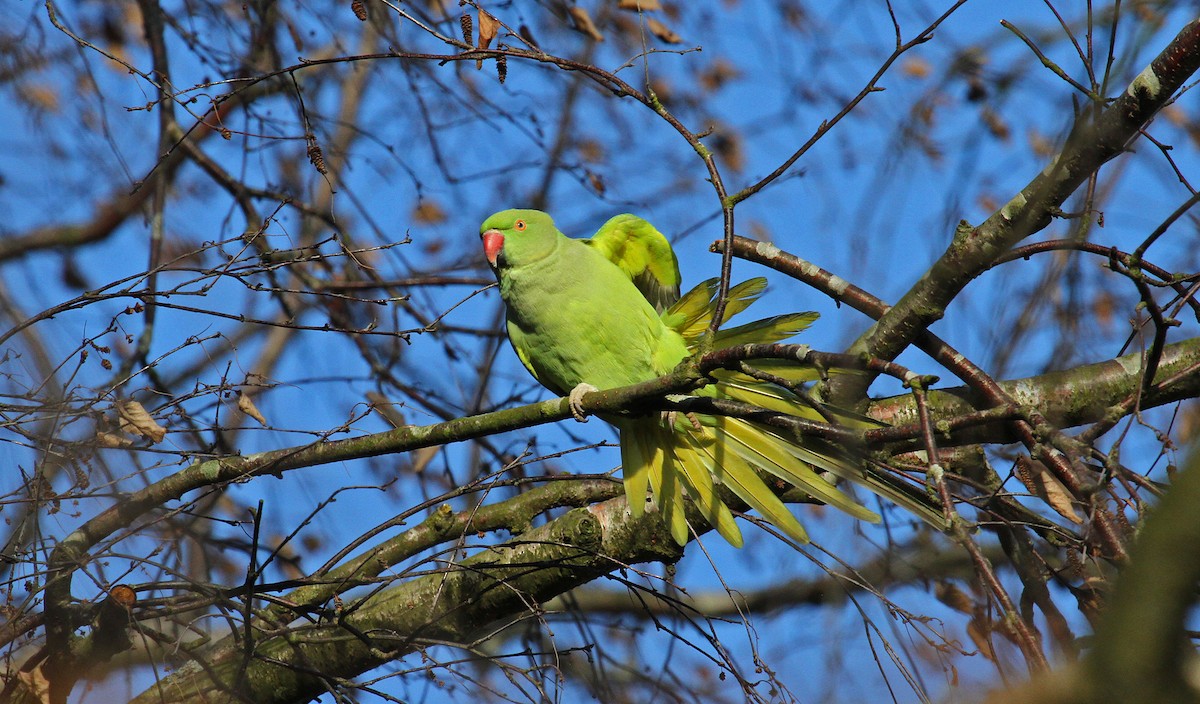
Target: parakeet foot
(669, 417)
(575, 399)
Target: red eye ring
(519, 226)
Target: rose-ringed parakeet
(606, 312)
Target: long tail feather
(821, 456)
(734, 472)
(663, 474)
(779, 457)
(702, 451)
(698, 473)
(678, 468)
(635, 468)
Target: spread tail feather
(694, 455)
(683, 460)
(655, 457)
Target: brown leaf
(428, 212)
(1042, 146)
(718, 74)
(1189, 422)
(39, 96)
(246, 405)
(1045, 486)
(988, 202)
(916, 68)
(488, 27)
(37, 684)
(758, 230)
(1103, 308)
(104, 439)
(662, 31)
(135, 420)
(384, 407)
(590, 150)
(727, 143)
(639, 5)
(423, 456)
(995, 124)
(527, 35)
(596, 181)
(1175, 115)
(583, 23)
(980, 631)
(949, 594)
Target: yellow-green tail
(680, 462)
(698, 453)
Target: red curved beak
(493, 241)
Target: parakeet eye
(519, 226)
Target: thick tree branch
(973, 249)
(457, 605)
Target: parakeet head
(517, 237)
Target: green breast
(574, 317)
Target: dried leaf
(423, 456)
(527, 35)
(988, 202)
(583, 23)
(1041, 483)
(727, 143)
(488, 27)
(39, 96)
(428, 212)
(662, 31)
(37, 684)
(104, 439)
(916, 67)
(718, 73)
(384, 407)
(757, 230)
(1103, 308)
(639, 5)
(1175, 115)
(591, 151)
(596, 181)
(246, 405)
(135, 420)
(949, 594)
(995, 124)
(1042, 146)
(980, 633)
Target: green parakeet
(606, 312)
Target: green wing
(645, 256)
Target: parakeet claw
(669, 417)
(575, 399)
